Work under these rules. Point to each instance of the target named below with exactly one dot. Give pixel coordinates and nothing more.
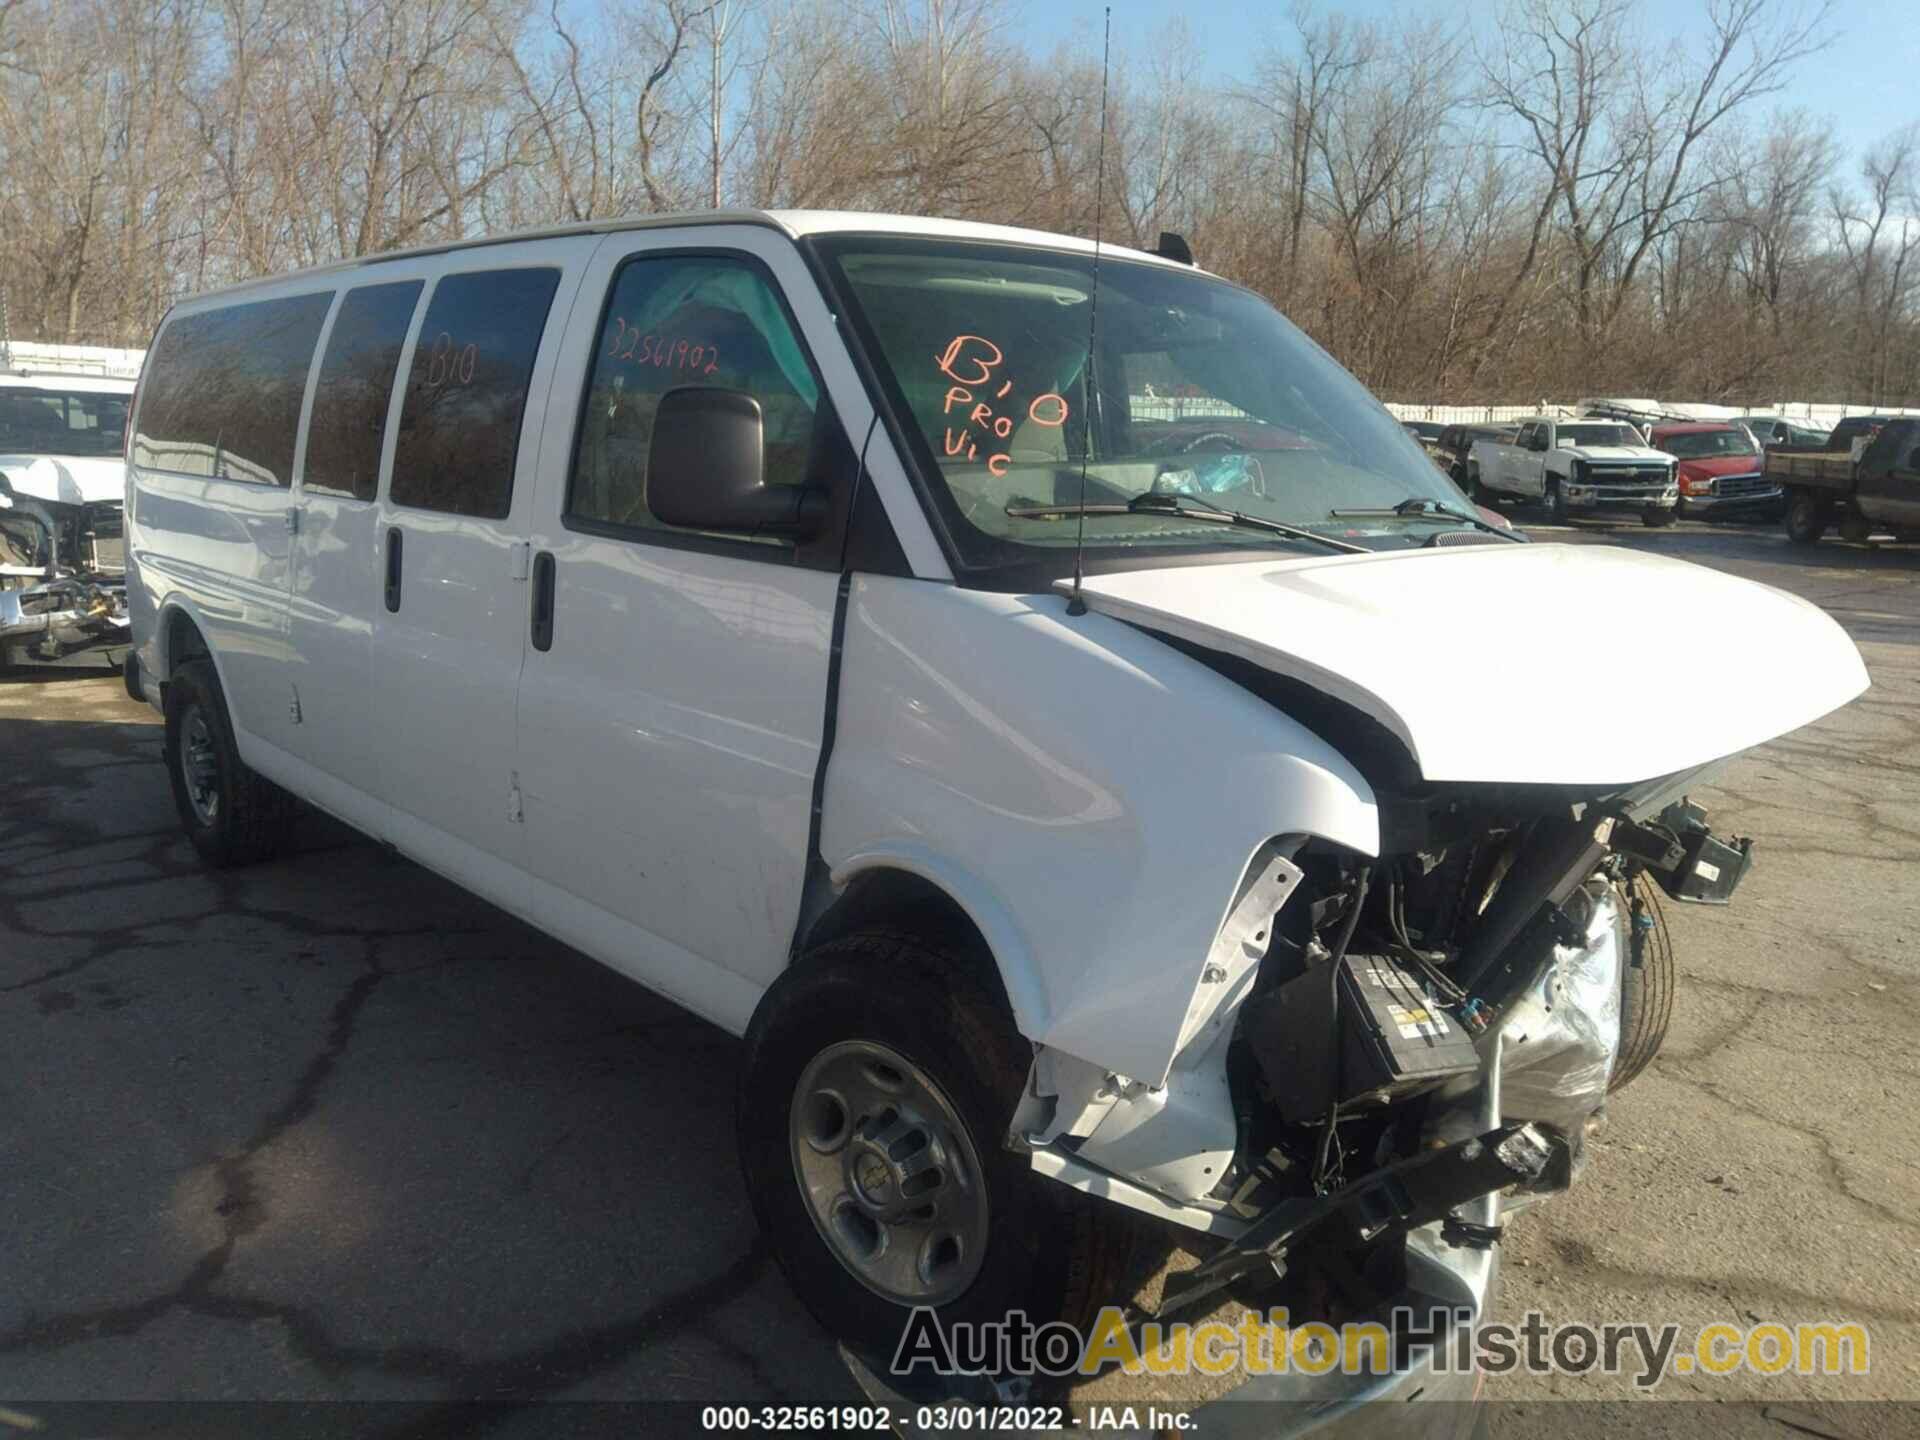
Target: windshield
(1569, 435)
(59, 422)
(1700, 444)
(1197, 388)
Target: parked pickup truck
(1880, 490)
(1720, 470)
(1578, 465)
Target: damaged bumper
(62, 578)
(47, 622)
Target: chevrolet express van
(1026, 699)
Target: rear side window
(356, 385)
(223, 390)
(678, 320)
(467, 391)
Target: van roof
(796, 224)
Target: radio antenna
(1077, 603)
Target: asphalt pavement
(330, 1128)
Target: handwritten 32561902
(971, 362)
(663, 352)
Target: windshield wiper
(1186, 507)
(1421, 508)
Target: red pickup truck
(1721, 469)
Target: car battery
(1395, 1038)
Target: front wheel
(1557, 501)
(233, 815)
(879, 1079)
(1646, 986)
(1806, 519)
(1657, 518)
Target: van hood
(66, 479)
(1523, 664)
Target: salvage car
(61, 481)
(1580, 466)
(819, 619)
(1720, 470)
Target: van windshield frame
(1277, 428)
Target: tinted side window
(687, 320)
(356, 384)
(467, 391)
(224, 388)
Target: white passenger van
(701, 590)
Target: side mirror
(1539, 441)
(706, 469)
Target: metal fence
(1815, 416)
(31, 357)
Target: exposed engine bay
(62, 577)
(1375, 1015)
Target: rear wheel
(233, 815)
(1807, 518)
(879, 1081)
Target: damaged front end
(62, 578)
(1385, 1055)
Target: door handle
(542, 626)
(394, 547)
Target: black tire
(1656, 518)
(232, 815)
(1807, 518)
(1646, 992)
(1048, 1250)
(1556, 498)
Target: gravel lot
(332, 1129)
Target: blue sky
(1867, 84)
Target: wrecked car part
(61, 578)
(1399, 1198)
(1688, 860)
(1179, 1137)
(1560, 1038)
(1557, 854)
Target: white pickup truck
(1578, 465)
